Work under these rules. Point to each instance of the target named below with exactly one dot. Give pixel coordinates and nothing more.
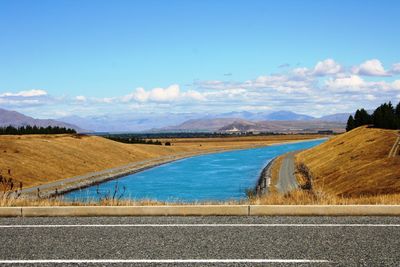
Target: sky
(92, 58)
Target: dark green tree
(384, 117)
(397, 113)
(362, 117)
(350, 123)
(35, 130)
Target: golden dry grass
(59, 201)
(302, 197)
(39, 159)
(355, 164)
(297, 197)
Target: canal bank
(214, 177)
(91, 181)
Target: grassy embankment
(353, 168)
(40, 159)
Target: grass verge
(303, 197)
(297, 197)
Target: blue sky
(61, 58)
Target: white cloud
(194, 95)
(212, 84)
(80, 98)
(139, 95)
(396, 85)
(27, 98)
(29, 93)
(20, 102)
(370, 97)
(355, 84)
(326, 67)
(396, 68)
(349, 83)
(168, 94)
(106, 100)
(301, 72)
(371, 67)
(327, 86)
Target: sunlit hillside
(355, 163)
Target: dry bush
(9, 189)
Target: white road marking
(193, 225)
(62, 261)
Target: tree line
(386, 116)
(133, 140)
(170, 135)
(11, 130)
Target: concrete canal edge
(203, 210)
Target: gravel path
(287, 180)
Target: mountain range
(131, 122)
(134, 122)
(240, 125)
(16, 119)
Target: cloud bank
(326, 87)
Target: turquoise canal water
(214, 177)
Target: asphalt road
(287, 180)
(200, 241)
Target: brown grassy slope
(39, 159)
(355, 163)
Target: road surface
(200, 241)
(287, 180)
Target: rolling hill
(355, 163)
(16, 119)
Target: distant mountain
(338, 117)
(16, 119)
(283, 126)
(240, 125)
(137, 122)
(129, 122)
(287, 116)
(281, 115)
(203, 124)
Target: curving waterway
(214, 177)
